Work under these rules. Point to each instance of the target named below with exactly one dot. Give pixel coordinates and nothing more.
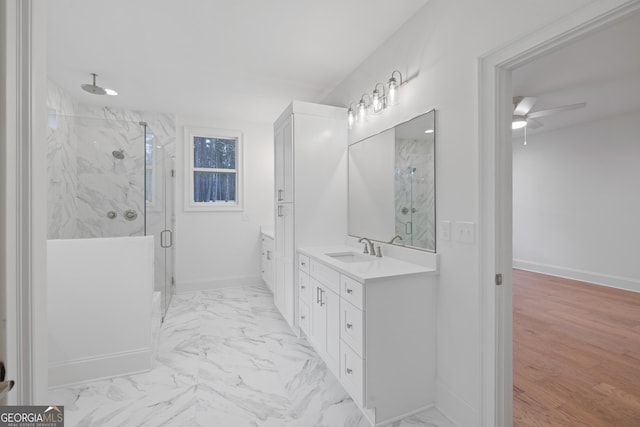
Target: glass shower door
(160, 216)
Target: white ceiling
(602, 70)
(225, 58)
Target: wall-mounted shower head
(94, 89)
(118, 154)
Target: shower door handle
(408, 227)
(166, 236)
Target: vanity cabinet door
(317, 333)
(325, 324)
(267, 261)
(332, 308)
(284, 285)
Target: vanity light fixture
(351, 116)
(363, 107)
(392, 89)
(384, 95)
(378, 101)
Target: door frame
(23, 198)
(496, 204)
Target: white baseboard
(229, 282)
(454, 408)
(582, 275)
(100, 367)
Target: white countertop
(372, 268)
(267, 231)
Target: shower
(94, 89)
(118, 154)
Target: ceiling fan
(522, 115)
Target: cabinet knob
(303, 287)
(302, 317)
(303, 263)
(349, 371)
(349, 291)
(349, 325)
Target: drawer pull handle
(349, 325)
(349, 291)
(349, 371)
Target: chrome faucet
(396, 237)
(371, 250)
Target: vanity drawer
(351, 373)
(304, 287)
(351, 322)
(351, 291)
(304, 317)
(325, 275)
(303, 263)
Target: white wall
(576, 202)
(99, 301)
(218, 249)
(443, 43)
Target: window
(214, 168)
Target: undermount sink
(349, 257)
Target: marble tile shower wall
(414, 192)
(62, 167)
(85, 180)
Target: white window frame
(219, 206)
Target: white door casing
(23, 198)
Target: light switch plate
(465, 232)
(445, 230)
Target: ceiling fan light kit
(518, 122)
(523, 117)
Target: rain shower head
(118, 154)
(94, 89)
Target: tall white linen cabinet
(310, 190)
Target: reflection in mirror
(392, 185)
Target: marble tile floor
(227, 358)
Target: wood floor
(576, 353)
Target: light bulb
(377, 101)
(361, 115)
(392, 93)
(350, 117)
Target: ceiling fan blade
(523, 105)
(533, 123)
(550, 111)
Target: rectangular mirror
(392, 185)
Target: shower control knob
(112, 215)
(130, 214)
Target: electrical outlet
(465, 232)
(445, 230)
